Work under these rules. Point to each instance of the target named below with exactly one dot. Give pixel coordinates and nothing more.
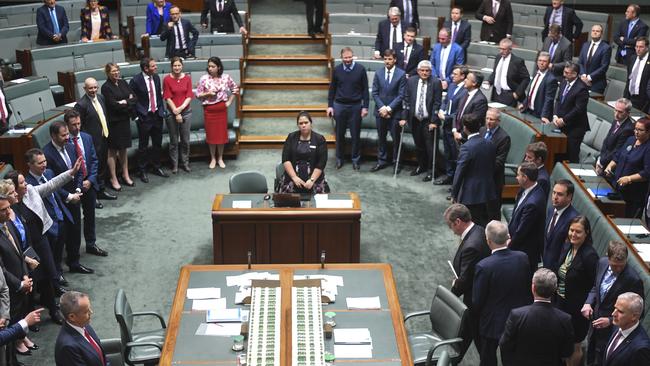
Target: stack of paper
(329, 284)
(208, 304)
(225, 315)
(203, 293)
(363, 303)
(352, 343)
(644, 251)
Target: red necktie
(80, 152)
(95, 346)
(152, 96)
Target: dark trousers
(638, 101)
(504, 98)
(314, 21)
(73, 235)
(573, 146)
(47, 268)
(88, 206)
(488, 351)
(384, 126)
(57, 243)
(469, 332)
(101, 149)
(479, 213)
(451, 151)
(494, 206)
(149, 126)
(597, 345)
(348, 116)
(423, 139)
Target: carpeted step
(278, 17)
(282, 126)
(309, 49)
(272, 97)
(287, 73)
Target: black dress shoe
(98, 205)
(63, 281)
(34, 328)
(417, 171)
(95, 250)
(124, 182)
(118, 189)
(186, 168)
(443, 181)
(428, 178)
(143, 177)
(377, 167)
(356, 166)
(26, 353)
(159, 172)
(312, 35)
(81, 269)
(58, 291)
(339, 164)
(103, 195)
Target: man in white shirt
(594, 60)
(510, 77)
(389, 32)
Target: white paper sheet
(334, 204)
(496, 105)
(363, 303)
(584, 172)
(245, 279)
(242, 204)
(203, 293)
(223, 329)
(633, 229)
(452, 269)
(19, 81)
(14, 131)
(644, 251)
(71, 104)
(352, 336)
(209, 304)
(223, 315)
(352, 351)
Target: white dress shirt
(444, 56)
(535, 84)
(501, 76)
(641, 66)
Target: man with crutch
(422, 100)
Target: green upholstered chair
(142, 347)
(248, 182)
(447, 315)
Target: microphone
(600, 181)
(322, 259)
(250, 255)
(20, 125)
(40, 100)
(74, 63)
(629, 229)
(112, 55)
(582, 163)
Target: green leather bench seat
(24, 98)
(139, 8)
(600, 116)
(208, 45)
(24, 37)
(425, 9)
(25, 14)
(521, 135)
(344, 23)
(524, 35)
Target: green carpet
(285, 97)
(281, 126)
(286, 71)
(278, 16)
(287, 49)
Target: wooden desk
(284, 235)
(608, 206)
(390, 346)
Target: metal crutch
(399, 152)
(433, 164)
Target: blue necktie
(629, 28)
(552, 49)
(55, 204)
(488, 135)
(608, 281)
(564, 93)
(55, 23)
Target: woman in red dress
(216, 91)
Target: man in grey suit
(474, 102)
(560, 49)
(422, 100)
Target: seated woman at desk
(94, 22)
(630, 169)
(157, 16)
(304, 157)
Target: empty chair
(447, 316)
(143, 347)
(113, 349)
(279, 173)
(248, 182)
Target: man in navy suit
(388, 92)
(558, 218)
(570, 113)
(594, 60)
(455, 93)
(422, 100)
(409, 53)
(444, 56)
(497, 19)
(622, 128)
(565, 17)
(541, 94)
(77, 343)
(526, 226)
(472, 249)
(389, 32)
(461, 30)
(536, 153)
(222, 13)
(409, 11)
(499, 138)
(510, 77)
(82, 144)
(474, 102)
(628, 31)
(180, 34)
(629, 344)
(638, 75)
(52, 23)
(150, 114)
(501, 283)
(473, 184)
(613, 277)
(538, 334)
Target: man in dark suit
(455, 94)
(541, 95)
(501, 283)
(92, 110)
(493, 133)
(409, 53)
(496, 16)
(409, 11)
(314, 10)
(538, 334)
(560, 49)
(5, 111)
(150, 112)
(82, 144)
(536, 153)
(461, 29)
(613, 277)
(445, 55)
(510, 77)
(629, 344)
(526, 226)
(474, 102)
(389, 32)
(622, 128)
(473, 248)
(177, 34)
(570, 112)
(564, 17)
(52, 24)
(77, 343)
(638, 75)
(558, 218)
(628, 31)
(221, 14)
(387, 91)
(422, 99)
(594, 60)
(473, 183)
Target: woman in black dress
(120, 102)
(304, 157)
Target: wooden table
(284, 235)
(390, 346)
